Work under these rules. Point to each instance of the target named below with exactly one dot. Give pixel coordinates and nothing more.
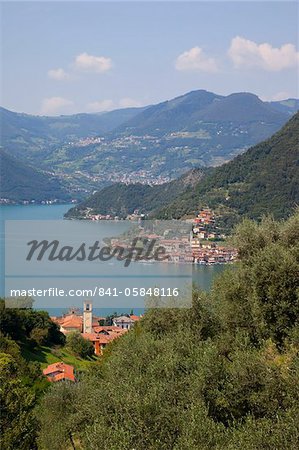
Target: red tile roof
(108, 329)
(70, 321)
(59, 371)
(135, 317)
(101, 338)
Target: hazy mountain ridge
(23, 134)
(290, 105)
(197, 107)
(198, 129)
(159, 142)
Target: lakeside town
(205, 244)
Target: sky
(69, 57)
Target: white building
(123, 322)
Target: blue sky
(67, 57)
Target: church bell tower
(87, 317)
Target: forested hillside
(198, 109)
(221, 375)
(20, 182)
(22, 381)
(263, 180)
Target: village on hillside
(205, 244)
(91, 328)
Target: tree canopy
(223, 374)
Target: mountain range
(191, 111)
(148, 145)
(32, 137)
(265, 179)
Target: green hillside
(199, 109)
(197, 129)
(20, 182)
(170, 115)
(265, 179)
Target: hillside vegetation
(19, 182)
(222, 375)
(263, 180)
(29, 342)
(26, 135)
(192, 111)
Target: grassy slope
(49, 355)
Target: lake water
(202, 275)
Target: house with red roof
(73, 321)
(59, 372)
(135, 318)
(88, 326)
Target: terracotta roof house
(108, 329)
(59, 372)
(133, 317)
(70, 323)
(98, 340)
(73, 321)
(103, 336)
(88, 326)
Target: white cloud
(128, 102)
(246, 53)
(103, 105)
(109, 105)
(196, 60)
(90, 63)
(55, 105)
(283, 95)
(58, 74)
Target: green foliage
(262, 295)
(79, 346)
(221, 375)
(29, 325)
(247, 185)
(39, 336)
(22, 382)
(63, 401)
(20, 182)
(17, 424)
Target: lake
(202, 276)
